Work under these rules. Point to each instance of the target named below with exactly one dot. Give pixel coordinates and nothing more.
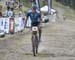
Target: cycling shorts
(35, 24)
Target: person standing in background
(10, 4)
(1, 11)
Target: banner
(2, 24)
(49, 6)
(38, 4)
(21, 23)
(6, 25)
(11, 25)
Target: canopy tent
(45, 9)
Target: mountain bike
(35, 40)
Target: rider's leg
(40, 32)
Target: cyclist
(35, 19)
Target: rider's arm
(40, 17)
(27, 18)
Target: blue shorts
(35, 24)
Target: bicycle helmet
(34, 7)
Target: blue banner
(38, 4)
(49, 6)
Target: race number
(35, 28)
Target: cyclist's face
(33, 10)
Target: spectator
(16, 5)
(20, 6)
(10, 4)
(20, 14)
(0, 11)
(10, 13)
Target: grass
(68, 12)
(25, 9)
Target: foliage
(70, 3)
(26, 3)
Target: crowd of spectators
(11, 5)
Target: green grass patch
(25, 9)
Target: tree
(70, 3)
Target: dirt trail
(58, 43)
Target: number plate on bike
(35, 28)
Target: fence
(12, 25)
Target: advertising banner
(11, 25)
(2, 24)
(6, 25)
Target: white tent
(45, 9)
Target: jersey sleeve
(28, 14)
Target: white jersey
(10, 13)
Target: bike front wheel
(35, 44)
